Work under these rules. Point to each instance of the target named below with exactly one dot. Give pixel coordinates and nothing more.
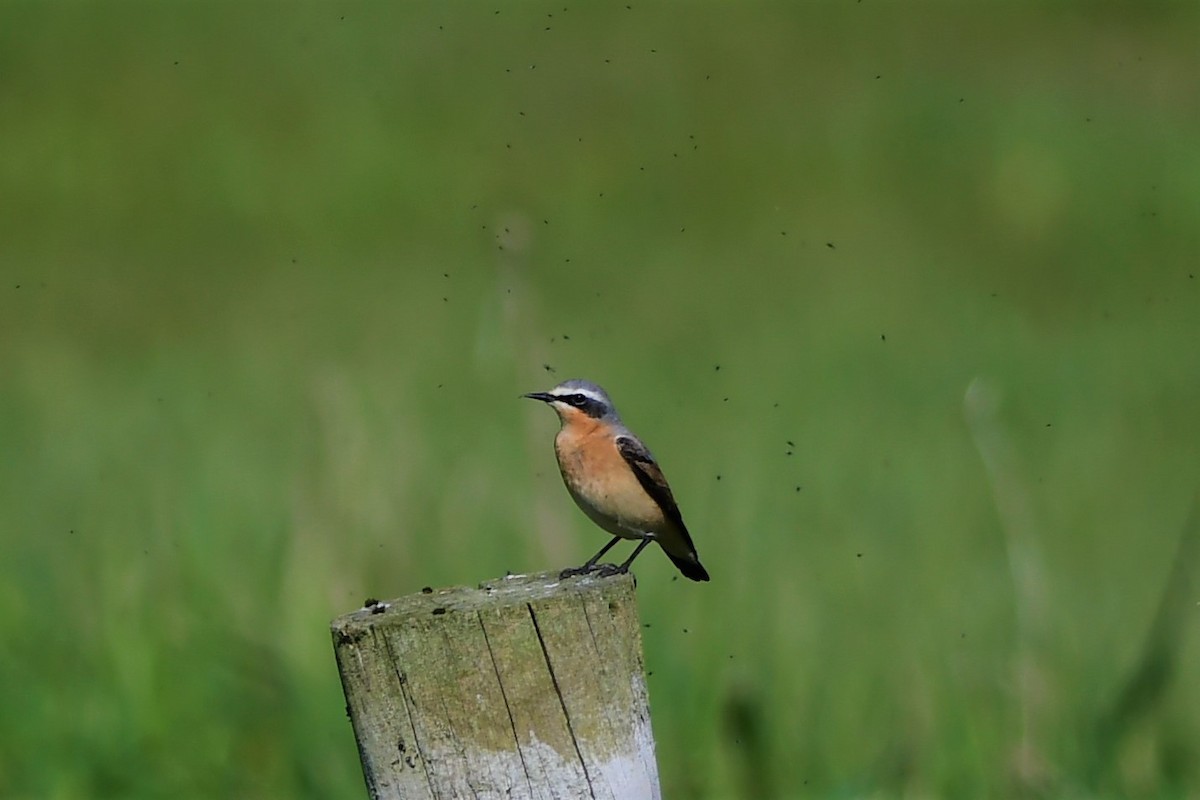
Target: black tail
(691, 568)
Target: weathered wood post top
(527, 687)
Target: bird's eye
(577, 400)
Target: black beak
(545, 397)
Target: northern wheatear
(615, 480)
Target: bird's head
(577, 399)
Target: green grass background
(274, 275)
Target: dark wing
(655, 485)
(650, 476)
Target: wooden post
(527, 687)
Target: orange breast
(602, 483)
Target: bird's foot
(602, 570)
(608, 570)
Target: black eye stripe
(588, 405)
(577, 400)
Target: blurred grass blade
(1143, 691)
(1014, 502)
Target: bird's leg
(591, 562)
(608, 569)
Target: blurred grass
(274, 276)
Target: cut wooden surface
(527, 687)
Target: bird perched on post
(614, 479)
